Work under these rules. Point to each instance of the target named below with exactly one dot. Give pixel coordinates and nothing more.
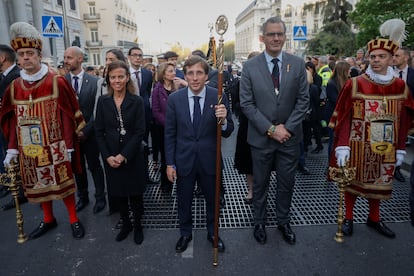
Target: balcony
(93, 44)
(126, 44)
(91, 17)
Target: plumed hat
(24, 35)
(395, 30)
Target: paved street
(315, 253)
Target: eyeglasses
(275, 34)
(136, 55)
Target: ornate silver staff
(343, 176)
(221, 28)
(12, 180)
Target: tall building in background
(249, 22)
(31, 11)
(95, 26)
(249, 26)
(108, 24)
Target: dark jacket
(129, 178)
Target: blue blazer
(182, 144)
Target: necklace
(122, 130)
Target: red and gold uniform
(373, 120)
(41, 120)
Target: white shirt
(404, 72)
(80, 79)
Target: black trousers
(90, 153)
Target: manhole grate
(315, 201)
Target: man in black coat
(85, 86)
(9, 71)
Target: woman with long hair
(162, 90)
(120, 127)
(337, 81)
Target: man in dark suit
(85, 86)
(190, 144)
(173, 57)
(401, 60)
(274, 97)
(9, 71)
(403, 71)
(143, 81)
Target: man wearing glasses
(274, 97)
(142, 79)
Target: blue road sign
(299, 32)
(52, 26)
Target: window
(59, 2)
(94, 35)
(92, 9)
(96, 59)
(72, 5)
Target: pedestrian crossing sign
(299, 32)
(52, 26)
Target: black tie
(401, 76)
(196, 113)
(275, 72)
(76, 84)
(138, 81)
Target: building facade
(249, 22)
(93, 25)
(108, 24)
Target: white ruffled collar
(381, 79)
(36, 76)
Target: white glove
(11, 157)
(70, 151)
(342, 154)
(400, 157)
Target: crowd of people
(59, 124)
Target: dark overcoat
(129, 178)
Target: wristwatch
(271, 130)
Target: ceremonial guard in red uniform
(40, 117)
(371, 120)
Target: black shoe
(138, 234)
(248, 200)
(317, 150)
(125, 230)
(260, 233)
(3, 192)
(348, 227)
(78, 231)
(42, 229)
(12, 204)
(398, 175)
(381, 228)
(220, 243)
(303, 169)
(182, 243)
(119, 224)
(99, 206)
(288, 235)
(82, 203)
